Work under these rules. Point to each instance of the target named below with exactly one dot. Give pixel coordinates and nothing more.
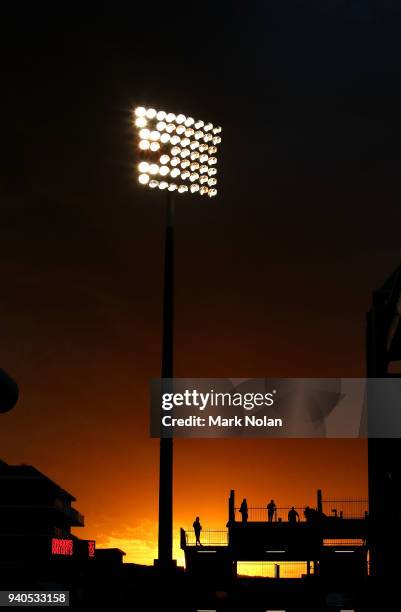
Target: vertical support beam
(165, 542)
(378, 449)
(384, 471)
(183, 539)
(319, 505)
(231, 507)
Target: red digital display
(91, 549)
(61, 546)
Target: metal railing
(268, 569)
(260, 514)
(352, 543)
(208, 537)
(69, 511)
(346, 508)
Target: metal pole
(319, 501)
(165, 544)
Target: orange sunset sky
(81, 335)
(273, 277)
(83, 369)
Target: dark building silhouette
(383, 344)
(38, 549)
(36, 517)
(109, 556)
(332, 548)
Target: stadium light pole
(177, 154)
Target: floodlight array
(177, 153)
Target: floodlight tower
(177, 154)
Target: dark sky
(273, 276)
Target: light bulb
(144, 134)
(140, 122)
(143, 179)
(143, 166)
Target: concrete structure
(36, 517)
(331, 547)
(383, 352)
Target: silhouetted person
(197, 529)
(293, 516)
(312, 515)
(244, 511)
(271, 509)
